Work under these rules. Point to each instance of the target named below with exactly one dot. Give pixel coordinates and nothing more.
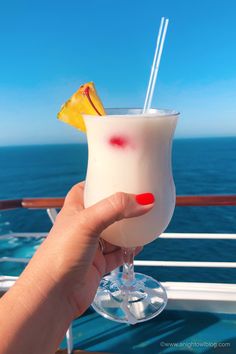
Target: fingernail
(145, 198)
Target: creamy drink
(131, 152)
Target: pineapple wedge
(83, 101)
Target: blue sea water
(200, 166)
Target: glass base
(133, 302)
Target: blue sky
(49, 48)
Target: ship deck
(170, 332)
(200, 317)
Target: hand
(71, 255)
(61, 279)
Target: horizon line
(85, 143)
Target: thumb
(116, 207)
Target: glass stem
(128, 266)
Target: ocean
(200, 166)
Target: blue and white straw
(156, 63)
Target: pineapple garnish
(83, 101)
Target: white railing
(164, 235)
(185, 264)
(145, 263)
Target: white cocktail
(131, 152)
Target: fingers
(107, 247)
(115, 259)
(75, 197)
(116, 207)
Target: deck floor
(170, 332)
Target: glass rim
(136, 113)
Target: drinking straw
(153, 64)
(156, 63)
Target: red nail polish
(145, 198)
